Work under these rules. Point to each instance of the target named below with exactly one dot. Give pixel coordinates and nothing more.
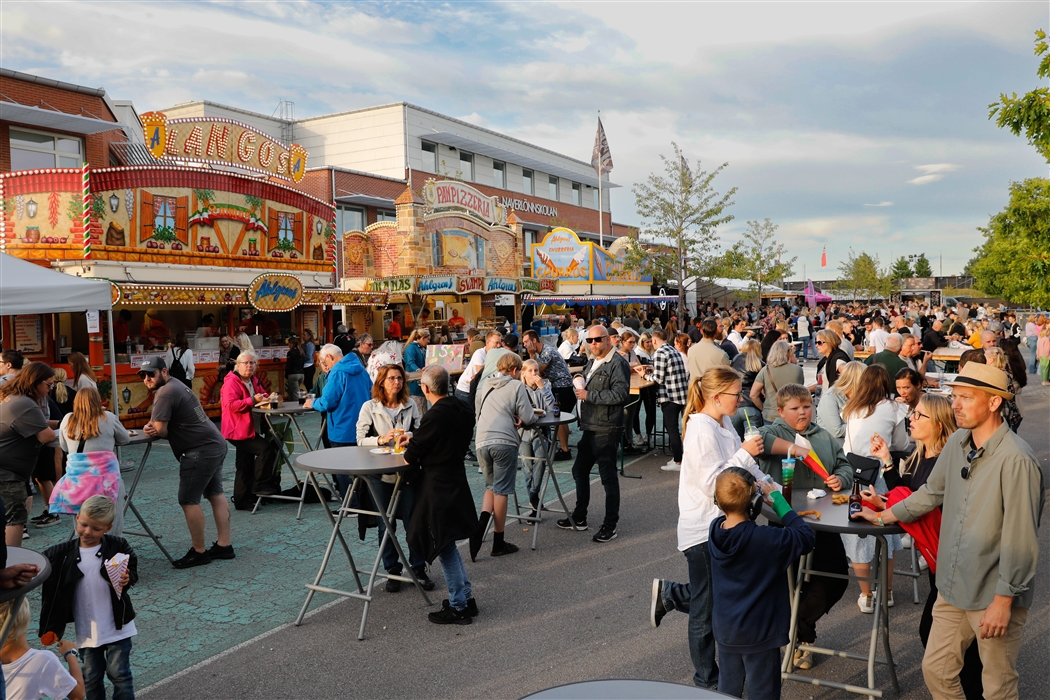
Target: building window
(285, 230)
(499, 174)
(350, 219)
(552, 187)
(597, 204)
(164, 216)
(430, 157)
(526, 181)
(31, 149)
(466, 166)
(386, 215)
(576, 194)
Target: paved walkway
(570, 611)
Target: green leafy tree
(901, 269)
(1014, 261)
(862, 277)
(681, 212)
(922, 266)
(758, 257)
(1030, 113)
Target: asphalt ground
(572, 610)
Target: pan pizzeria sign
(445, 195)
(275, 292)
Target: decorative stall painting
(170, 214)
(562, 255)
(459, 249)
(448, 356)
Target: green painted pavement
(185, 617)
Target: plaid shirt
(669, 373)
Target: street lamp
(31, 208)
(114, 203)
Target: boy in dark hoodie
(751, 611)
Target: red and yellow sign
(216, 140)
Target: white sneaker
(889, 601)
(923, 564)
(866, 603)
(906, 541)
(672, 466)
(640, 441)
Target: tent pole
(113, 362)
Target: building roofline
(239, 110)
(61, 85)
(362, 173)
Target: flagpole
(601, 202)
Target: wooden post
(328, 327)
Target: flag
(811, 459)
(601, 159)
(824, 257)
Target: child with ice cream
(88, 586)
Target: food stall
(180, 243)
(451, 248)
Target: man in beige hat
(989, 484)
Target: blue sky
(858, 125)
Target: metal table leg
(286, 457)
(129, 505)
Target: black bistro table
(358, 463)
(140, 438)
(546, 421)
(835, 518)
(290, 410)
(18, 555)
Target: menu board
(137, 360)
(265, 353)
(29, 334)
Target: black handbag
(865, 469)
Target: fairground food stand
(181, 243)
(451, 248)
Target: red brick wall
(36, 95)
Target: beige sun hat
(977, 375)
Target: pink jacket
(1042, 348)
(237, 407)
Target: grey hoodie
(499, 400)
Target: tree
(758, 257)
(922, 266)
(682, 211)
(901, 269)
(1014, 261)
(861, 273)
(1030, 113)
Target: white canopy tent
(725, 290)
(26, 288)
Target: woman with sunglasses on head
(832, 357)
(932, 422)
(24, 429)
(872, 412)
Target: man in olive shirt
(706, 354)
(989, 484)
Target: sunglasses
(143, 375)
(821, 342)
(597, 340)
(965, 471)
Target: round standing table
(835, 519)
(358, 463)
(18, 555)
(616, 689)
(546, 421)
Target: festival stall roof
(719, 287)
(26, 288)
(595, 300)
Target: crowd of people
(732, 403)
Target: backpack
(178, 370)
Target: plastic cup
(398, 447)
(787, 476)
(750, 433)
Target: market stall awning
(26, 288)
(594, 300)
(365, 200)
(53, 119)
(486, 149)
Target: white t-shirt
(477, 361)
(708, 448)
(877, 338)
(803, 327)
(37, 674)
(92, 606)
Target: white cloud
(880, 204)
(934, 172)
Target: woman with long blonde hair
(749, 363)
(82, 374)
(832, 401)
(710, 446)
(88, 430)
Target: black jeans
(256, 458)
(673, 425)
(970, 676)
(821, 593)
(760, 671)
(600, 448)
(649, 401)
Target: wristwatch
(73, 652)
